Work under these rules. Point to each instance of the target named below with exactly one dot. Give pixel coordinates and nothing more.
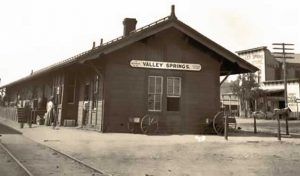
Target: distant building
(229, 100)
(270, 79)
(261, 57)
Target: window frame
(174, 95)
(155, 93)
(173, 91)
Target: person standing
(50, 117)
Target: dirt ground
(8, 166)
(244, 153)
(262, 158)
(189, 155)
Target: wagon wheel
(149, 124)
(218, 123)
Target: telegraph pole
(283, 55)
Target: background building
(270, 79)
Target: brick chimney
(129, 25)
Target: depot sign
(165, 65)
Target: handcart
(147, 124)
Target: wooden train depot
(165, 71)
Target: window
(155, 89)
(173, 93)
(71, 90)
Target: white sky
(37, 33)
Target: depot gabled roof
(240, 65)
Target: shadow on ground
(261, 134)
(8, 130)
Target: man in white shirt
(50, 115)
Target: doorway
(92, 102)
(86, 109)
(281, 104)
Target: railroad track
(15, 159)
(96, 172)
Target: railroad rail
(29, 173)
(16, 160)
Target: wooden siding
(126, 87)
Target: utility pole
(283, 55)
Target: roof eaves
(161, 25)
(136, 35)
(103, 47)
(251, 50)
(218, 48)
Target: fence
(294, 115)
(9, 113)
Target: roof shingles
(135, 35)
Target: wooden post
(30, 117)
(278, 120)
(297, 109)
(286, 123)
(284, 55)
(246, 109)
(254, 118)
(224, 79)
(226, 128)
(230, 104)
